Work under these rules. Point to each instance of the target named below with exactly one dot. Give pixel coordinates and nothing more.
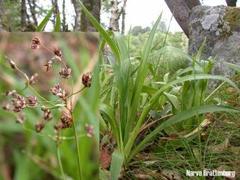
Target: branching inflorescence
(17, 102)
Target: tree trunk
(232, 3)
(123, 16)
(115, 16)
(192, 3)
(77, 9)
(180, 10)
(32, 7)
(1, 15)
(55, 10)
(23, 14)
(94, 7)
(64, 25)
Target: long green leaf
(141, 76)
(179, 118)
(233, 66)
(57, 27)
(44, 22)
(155, 98)
(116, 165)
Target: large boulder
(217, 30)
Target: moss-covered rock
(232, 17)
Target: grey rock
(217, 29)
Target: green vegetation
(130, 94)
(153, 112)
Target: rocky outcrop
(217, 30)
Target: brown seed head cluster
(57, 52)
(66, 121)
(58, 91)
(87, 79)
(47, 114)
(18, 103)
(32, 101)
(39, 126)
(35, 43)
(65, 72)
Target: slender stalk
(78, 150)
(60, 163)
(76, 92)
(214, 91)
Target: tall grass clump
(130, 95)
(64, 120)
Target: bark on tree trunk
(123, 16)
(77, 9)
(232, 3)
(94, 6)
(23, 14)
(55, 11)
(64, 25)
(1, 15)
(192, 3)
(32, 6)
(115, 16)
(180, 10)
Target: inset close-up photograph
(49, 126)
(120, 89)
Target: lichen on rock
(218, 27)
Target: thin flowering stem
(76, 92)
(46, 48)
(60, 163)
(39, 95)
(76, 136)
(54, 137)
(52, 51)
(16, 68)
(24, 75)
(59, 157)
(78, 150)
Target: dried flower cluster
(87, 79)
(66, 121)
(35, 43)
(65, 72)
(19, 102)
(58, 91)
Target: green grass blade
(233, 66)
(181, 117)
(44, 22)
(57, 27)
(141, 76)
(116, 165)
(155, 98)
